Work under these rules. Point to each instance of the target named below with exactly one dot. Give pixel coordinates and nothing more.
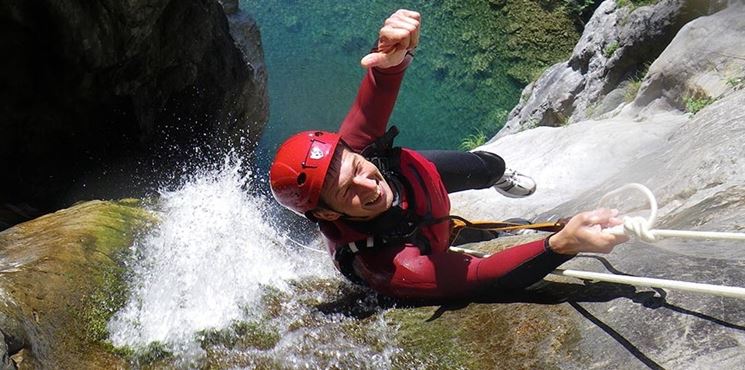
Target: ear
(326, 214)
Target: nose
(365, 184)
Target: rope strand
(641, 228)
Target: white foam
(206, 262)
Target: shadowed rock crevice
(105, 98)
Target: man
(384, 210)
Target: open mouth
(375, 197)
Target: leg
(466, 170)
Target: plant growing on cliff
(631, 90)
(736, 82)
(635, 83)
(610, 49)
(695, 104)
(473, 141)
(580, 10)
(530, 124)
(634, 3)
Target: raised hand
(399, 33)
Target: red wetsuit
(403, 270)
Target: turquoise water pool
(460, 83)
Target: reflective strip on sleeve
(353, 247)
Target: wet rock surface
(61, 277)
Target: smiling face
(354, 187)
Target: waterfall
(211, 263)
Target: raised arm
(369, 114)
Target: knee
(494, 163)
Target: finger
(408, 20)
(408, 13)
(414, 39)
(373, 59)
(601, 216)
(613, 221)
(400, 23)
(415, 21)
(394, 35)
(606, 240)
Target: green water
(470, 67)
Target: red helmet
(299, 168)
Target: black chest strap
(383, 154)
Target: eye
(358, 166)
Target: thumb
(372, 60)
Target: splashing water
(210, 263)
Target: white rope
(641, 228)
(301, 245)
(719, 290)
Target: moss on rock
(64, 276)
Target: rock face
(617, 44)
(692, 163)
(679, 77)
(95, 92)
(61, 278)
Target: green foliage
(474, 57)
(579, 9)
(610, 49)
(242, 335)
(155, 351)
(635, 83)
(473, 141)
(631, 90)
(634, 3)
(577, 6)
(695, 104)
(736, 83)
(104, 302)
